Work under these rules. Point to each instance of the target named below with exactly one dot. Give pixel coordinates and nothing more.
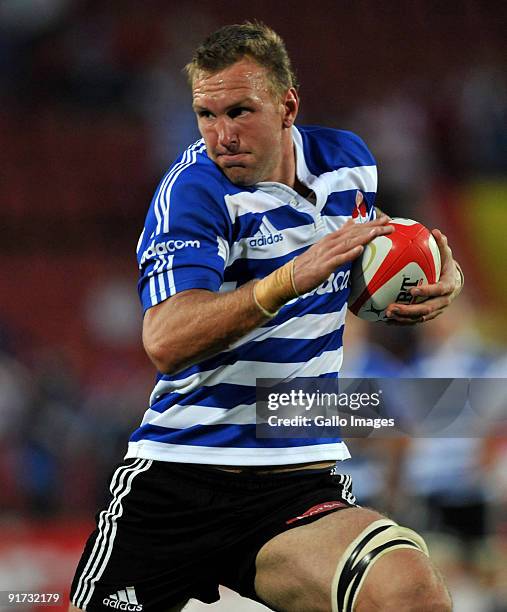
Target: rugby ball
(390, 266)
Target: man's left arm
(438, 295)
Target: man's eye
(204, 114)
(238, 112)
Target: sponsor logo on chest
(263, 240)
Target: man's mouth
(229, 160)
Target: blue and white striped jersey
(203, 232)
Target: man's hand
(439, 295)
(315, 265)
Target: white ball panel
(368, 265)
(435, 252)
(391, 291)
(402, 221)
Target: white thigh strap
(379, 538)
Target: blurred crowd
(452, 488)
(94, 107)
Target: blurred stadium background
(93, 109)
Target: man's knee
(294, 569)
(404, 581)
(384, 567)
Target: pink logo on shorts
(324, 507)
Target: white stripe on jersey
(188, 158)
(179, 417)
(246, 202)
(161, 286)
(306, 327)
(187, 453)
(292, 238)
(223, 248)
(153, 291)
(345, 179)
(140, 241)
(158, 208)
(228, 286)
(168, 187)
(170, 275)
(160, 278)
(240, 373)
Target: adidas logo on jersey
(162, 248)
(124, 599)
(262, 240)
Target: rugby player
(244, 266)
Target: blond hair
(255, 40)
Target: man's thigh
(295, 569)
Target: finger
(381, 220)
(344, 257)
(418, 310)
(351, 253)
(432, 315)
(400, 318)
(344, 244)
(381, 230)
(443, 288)
(350, 225)
(415, 311)
(443, 247)
(366, 234)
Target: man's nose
(227, 133)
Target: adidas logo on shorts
(125, 599)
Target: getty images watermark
(380, 407)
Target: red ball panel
(409, 243)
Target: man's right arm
(196, 324)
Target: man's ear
(290, 104)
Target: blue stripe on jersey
(329, 300)
(247, 269)
(338, 203)
(223, 395)
(294, 351)
(315, 305)
(221, 435)
(327, 149)
(204, 232)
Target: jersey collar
(303, 173)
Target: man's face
(242, 123)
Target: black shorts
(176, 531)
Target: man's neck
(303, 190)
